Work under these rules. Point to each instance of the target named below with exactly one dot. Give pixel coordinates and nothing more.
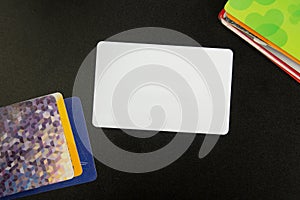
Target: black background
(42, 44)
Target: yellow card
(68, 134)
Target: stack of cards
(272, 27)
(41, 147)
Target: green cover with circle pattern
(276, 20)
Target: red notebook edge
(280, 63)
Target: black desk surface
(46, 41)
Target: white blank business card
(162, 88)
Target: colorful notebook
(77, 121)
(272, 26)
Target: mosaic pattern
(33, 148)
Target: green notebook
(276, 22)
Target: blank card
(162, 88)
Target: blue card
(75, 113)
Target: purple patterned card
(33, 147)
